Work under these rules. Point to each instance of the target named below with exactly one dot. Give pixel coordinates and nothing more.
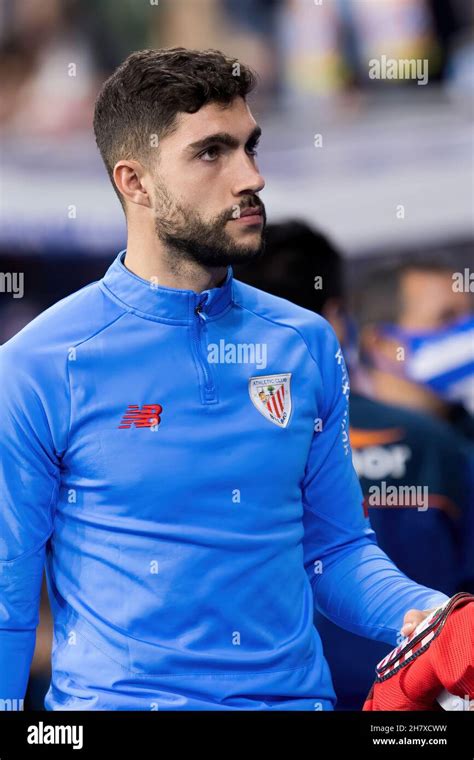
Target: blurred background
(366, 176)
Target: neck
(149, 258)
(398, 391)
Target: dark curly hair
(146, 92)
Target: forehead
(234, 118)
(431, 290)
(418, 282)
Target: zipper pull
(198, 310)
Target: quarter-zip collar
(165, 303)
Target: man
(417, 340)
(181, 574)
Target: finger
(414, 616)
(410, 621)
(407, 628)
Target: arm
(29, 477)
(354, 582)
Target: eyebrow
(223, 138)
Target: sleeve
(355, 584)
(28, 489)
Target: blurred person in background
(416, 338)
(328, 45)
(54, 53)
(47, 67)
(398, 447)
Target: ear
(132, 181)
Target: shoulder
(46, 339)
(35, 393)
(313, 328)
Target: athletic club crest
(271, 395)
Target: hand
(412, 619)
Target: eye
(252, 149)
(213, 149)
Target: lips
(252, 211)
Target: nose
(248, 178)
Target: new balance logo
(146, 417)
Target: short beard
(189, 238)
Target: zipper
(208, 393)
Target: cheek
(196, 188)
(201, 190)
(464, 304)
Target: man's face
(429, 302)
(205, 177)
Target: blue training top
(180, 463)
